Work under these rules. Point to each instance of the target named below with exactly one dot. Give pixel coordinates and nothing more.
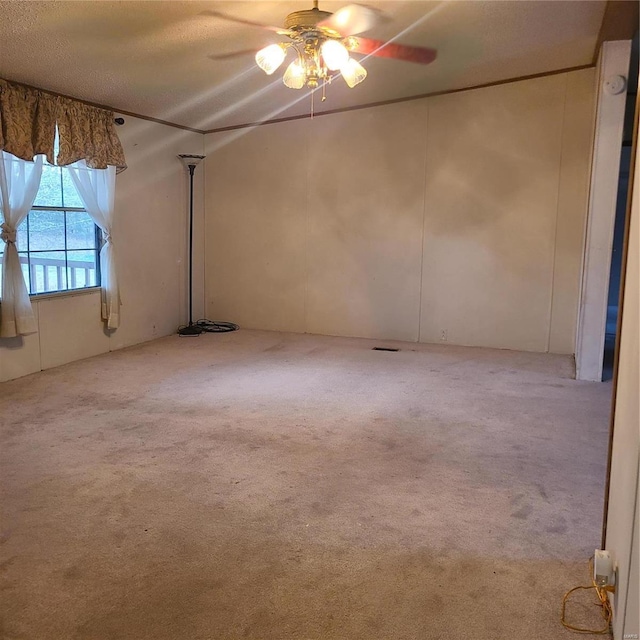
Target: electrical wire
(211, 326)
(606, 612)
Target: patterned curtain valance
(28, 119)
(27, 122)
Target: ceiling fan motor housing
(308, 35)
(307, 19)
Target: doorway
(611, 328)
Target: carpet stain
(523, 513)
(276, 347)
(5, 564)
(543, 492)
(558, 526)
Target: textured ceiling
(151, 57)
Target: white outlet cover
(603, 569)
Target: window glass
(69, 193)
(58, 243)
(82, 269)
(48, 271)
(50, 191)
(81, 231)
(46, 230)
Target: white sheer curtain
(19, 182)
(96, 188)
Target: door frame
(613, 61)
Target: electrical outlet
(443, 335)
(603, 569)
(154, 330)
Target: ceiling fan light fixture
(270, 58)
(353, 72)
(322, 41)
(295, 76)
(335, 54)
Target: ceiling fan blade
(352, 19)
(381, 49)
(231, 54)
(250, 23)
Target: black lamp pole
(191, 162)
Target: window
(58, 243)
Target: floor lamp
(190, 162)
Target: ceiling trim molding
(109, 107)
(397, 100)
(619, 22)
(308, 116)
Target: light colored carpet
(270, 486)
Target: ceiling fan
(322, 42)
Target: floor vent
(384, 349)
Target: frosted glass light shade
(295, 76)
(335, 54)
(270, 58)
(353, 72)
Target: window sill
(63, 294)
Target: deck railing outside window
(52, 274)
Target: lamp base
(190, 330)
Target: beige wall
(399, 222)
(458, 217)
(622, 515)
(150, 241)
